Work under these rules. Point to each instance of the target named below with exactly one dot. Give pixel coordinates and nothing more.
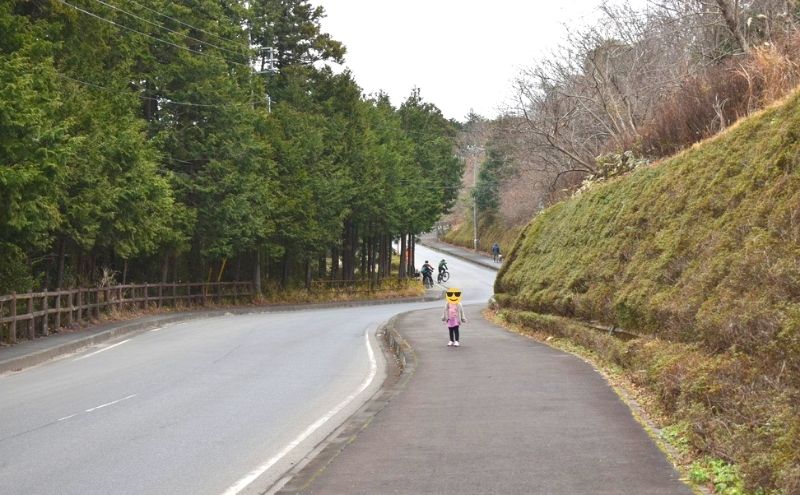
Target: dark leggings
(453, 333)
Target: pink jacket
(459, 316)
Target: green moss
(699, 252)
(490, 231)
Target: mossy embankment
(699, 254)
(490, 229)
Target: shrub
(699, 255)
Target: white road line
(66, 417)
(240, 485)
(156, 329)
(110, 403)
(101, 350)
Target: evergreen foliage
(153, 140)
(492, 172)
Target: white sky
(462, 54)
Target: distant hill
(701, 251)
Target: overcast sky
(461, 54)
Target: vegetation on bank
(697, 254)
(602, 351)
(490, 231)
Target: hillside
(699, 254)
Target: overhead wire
(160, 100)
(92, 14)
(161, 26)
(122, 26)
(181, 22)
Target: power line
(181, 22)
(160, 26)
(92, 14)
(159, 100)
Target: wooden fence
(40, 313)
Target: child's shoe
(456, 343)
(450, 343)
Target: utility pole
(474, 151)
(268, 67)
(475, 206)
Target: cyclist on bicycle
(442, 269)
(427, 272)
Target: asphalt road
(213, 406)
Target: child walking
(453, 315)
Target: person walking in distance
(453, 314)
(496, 252)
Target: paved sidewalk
(500, 414)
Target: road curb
(402, 364)
(18, 363)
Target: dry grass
(700, 253)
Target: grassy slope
(490, 232)
(702, 251)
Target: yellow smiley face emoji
(453, 295)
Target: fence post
(146, 291)
(97, 291)
(174, 295)
(70, 308)
(46, 317)
(12, 328)
(204, 287)
(160, 295)
(58, 309)
(32, 321)
(80, 305)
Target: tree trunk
(412, 246)
(334, 263)
(62, 254)
(286, 269)
(322, 268)
(165, 268)
(389, 256)
(730, 14)
(364, 257)
(381, 255)
(345, 250)
(257, 273)
(370, 258)
(349, 248)
(92, 268)
(403, 257)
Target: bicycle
(444, 276)
(427, 280)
